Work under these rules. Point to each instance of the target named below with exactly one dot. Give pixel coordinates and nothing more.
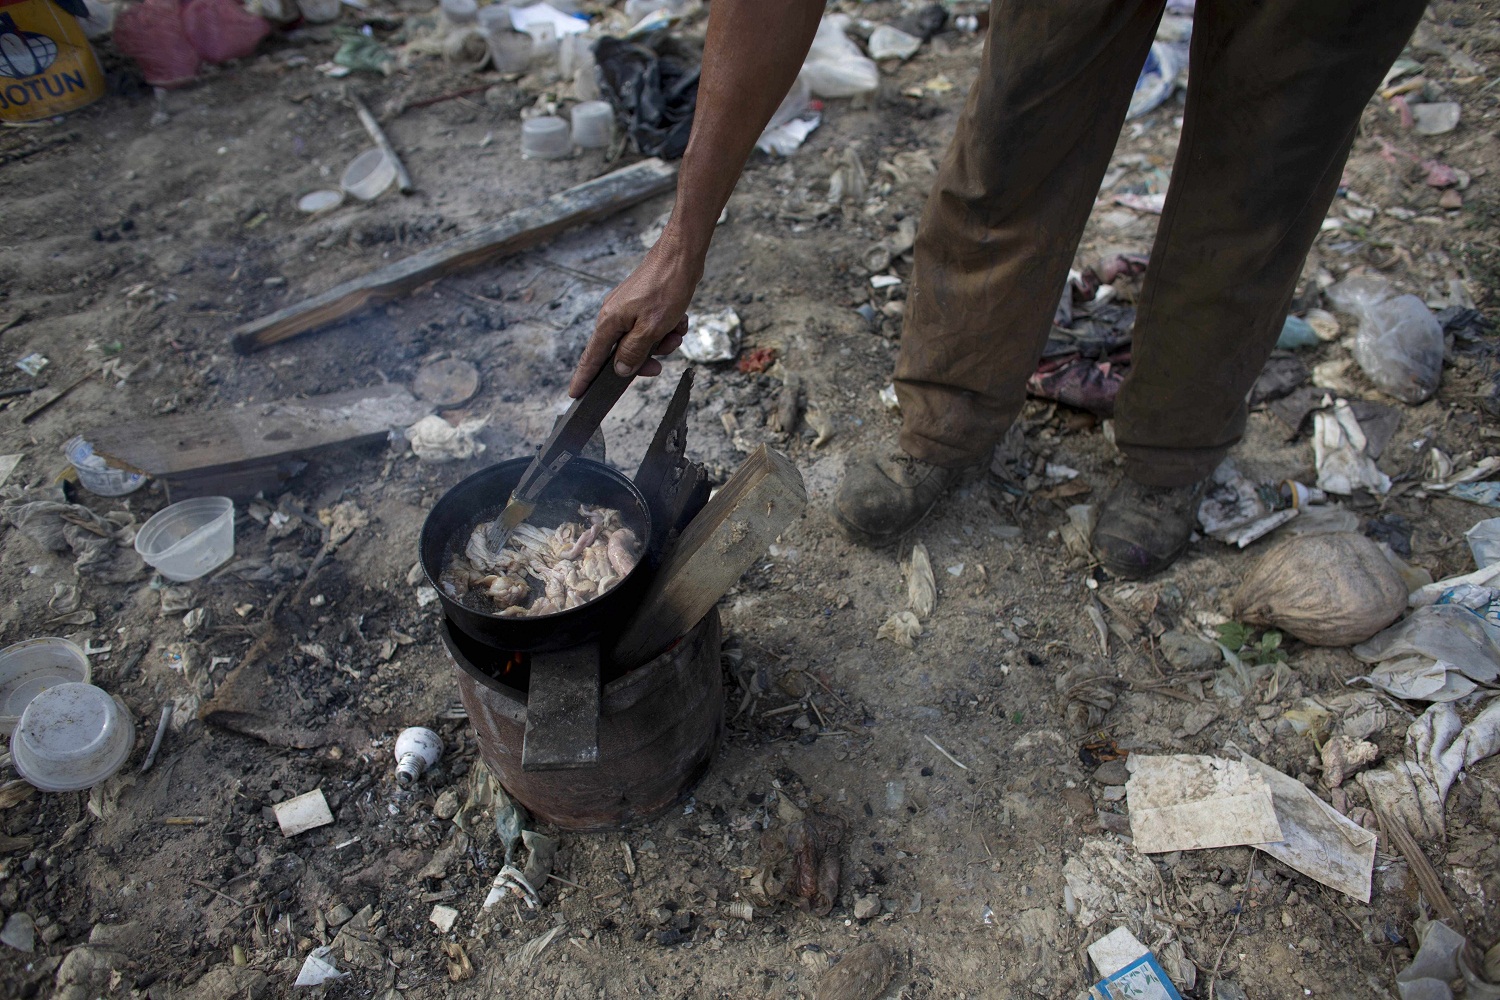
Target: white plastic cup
(460, 12)
(98, 476)
(71, 737)
(32, 666)
(188, 539)
(593, 124)
(319, 11)
(545, 138)
(368, 175)
(510, 50)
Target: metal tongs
(572, 432)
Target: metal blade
(514, 513)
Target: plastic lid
(368, 174)
(70, 737)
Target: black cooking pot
(482, 496)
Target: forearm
(752, 54)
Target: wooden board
(762, 498)
(516, 231)
(241, 445)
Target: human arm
(752, 54)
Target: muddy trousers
(1274, 97)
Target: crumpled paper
(1438, 747)
(1339, 453)
(433, 439)
(712, 336)
(100, 545)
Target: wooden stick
(45, 405)
(519, 230)
(759, 502)
(403, 179)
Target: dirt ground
(145, 227)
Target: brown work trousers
(1274, 98)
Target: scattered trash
(712, 336)
(1341, 453)
(30, 667)
(757, 361)
(593, 124)
(188, 539)
(71, 736)
(887, 42)
(301, 813)
(446, 384)
(849, 182)
(835, 67)
(1440, 960)
(434, 439)
(1152, 204)
(889, 399)
(359, 53)
(1142, 978)
(1236, 511)
(1185, 802)
(538, 17)
(368, 175)
(40, 37)
(320, 201)
(417, 749)
(32, 364)
(1438, 653)
(1484, 542)
(1325, 589)
(1316, 840)
(56, 526)
(528, 953)
(921, 585)
(220, 30)
(902, 628)
(653, 89)
(1438, 748)
(546, 137)
(785, 138)
(318, 968)
(1157, 80)
(1435, 118)
(1399, 343)
(1297, 332)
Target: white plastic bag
(1399, 343)
(835, 66)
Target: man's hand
(645, 315)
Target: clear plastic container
(510, 50)
(460, 12)
(188, 539)
(495, 17)
(319, 11)
(98, 476)
(28, 668)
(545, 138)
(368, 175)
(71, 737)
(593, 124)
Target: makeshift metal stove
(610, 711)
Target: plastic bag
(653, 89)
(835, 66)
(222, 29)
(152, 34)
(1399, 343)
(47, 66)
(1448, 633)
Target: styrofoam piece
(307, 811)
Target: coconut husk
(1328, 590)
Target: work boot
(886, 493)
(1143, 529)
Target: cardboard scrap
(1186, 802)
(1319, 842)
(1115, 950)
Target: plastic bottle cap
(71, 736)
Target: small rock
(446, 806)
(1188, 652)
(862, 975)
(1114, 822)
(1112, 772)
(1199, 719)
(339, 915)
(1435, 118)
(228, 982)
(866, 907)
(130, 937)
(1451, 199)
(19, 932)
(1114, 793)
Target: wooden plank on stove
(762, 498)
(516, 231)
(200, 446)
